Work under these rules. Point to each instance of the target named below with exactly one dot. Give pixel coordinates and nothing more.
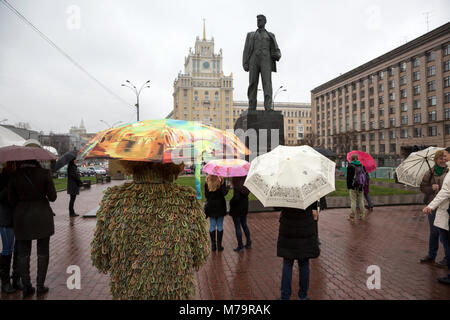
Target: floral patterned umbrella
(165, 141)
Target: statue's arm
(276, 54)
(245, 56)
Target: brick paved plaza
(393, 238)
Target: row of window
(431, 70)
(417, 132)
(417, 118)
(431, 131)
(431, 102)
(431, 86)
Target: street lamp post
(137, 92)
(280, 89)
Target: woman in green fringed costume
(151, 235)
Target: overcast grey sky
(139, 40)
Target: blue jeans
(286, 278)
(238, 222)
(215, 222)
(433, 242)
(7, 235)
(369, 202)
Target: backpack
(360, 178)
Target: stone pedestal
(261, 131)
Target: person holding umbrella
(7, 234)
(151, 234)
(293, 179)
(298, 239)
(73, 186)
(440, 203)
(237, 169)
(216, 208)
(30, 191)
(239, 211)
(73, 177)
(431, 183)
(356, 180)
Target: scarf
(356, 163)
(439, 170)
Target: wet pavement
(392, 238)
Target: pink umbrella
(17, 153)
(227, 167)
(366, 160)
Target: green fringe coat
(150, 238)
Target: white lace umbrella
(413, 168)
(292, 177)
(51, 149)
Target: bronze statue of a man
(260, 55)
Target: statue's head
(261, 20)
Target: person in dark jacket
(7, 235)
(216, 209)
(355, 190)
(30, 191)
(239, 211)
(297, 240)
(73, 186)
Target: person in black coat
(216, 209)
(73, 185)
(297, 240)
(239, 211)
(7, 235)
(30, 191)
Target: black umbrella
(325, 152)
(66, 158)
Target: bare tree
(344, 142)
(310, 139)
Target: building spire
(204, 31)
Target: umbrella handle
(198, 189)
(429, 167)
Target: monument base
(266, 127)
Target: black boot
(219, 240)
(42, 267)
(24, 268)
(213, 240)
(16, 281)
(240, 245)
(248, 245)
(5, 266)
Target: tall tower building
(203, 93)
